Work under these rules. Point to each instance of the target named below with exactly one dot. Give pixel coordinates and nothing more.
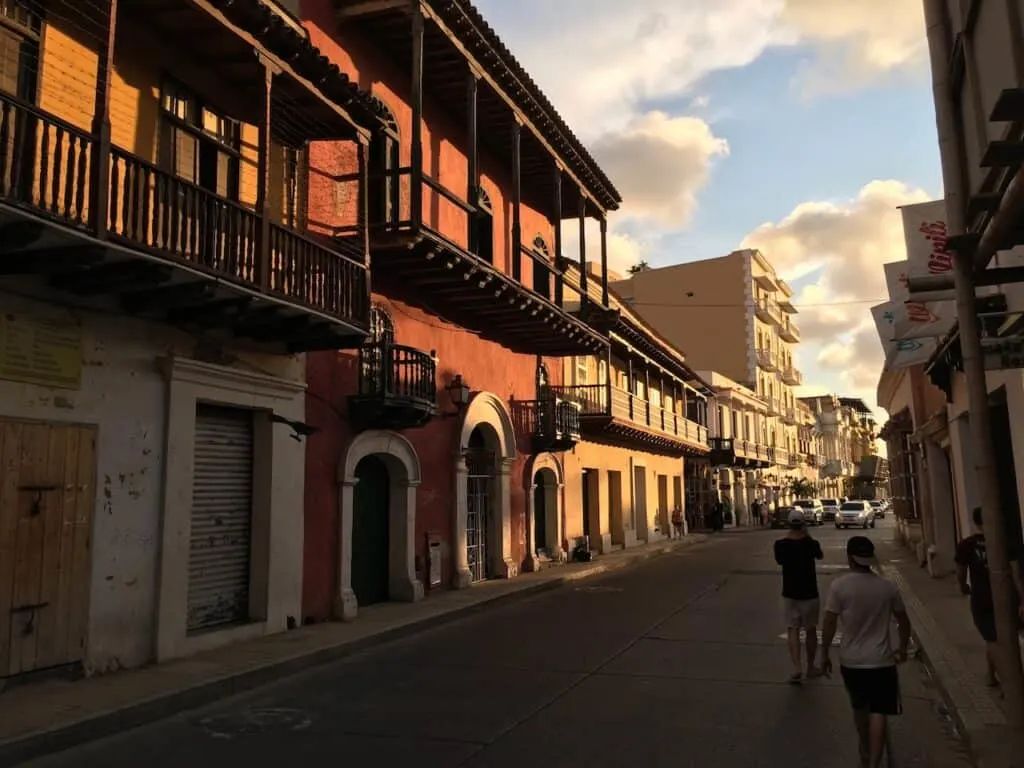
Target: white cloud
(659, 164)
(623, 54)
(846, 243)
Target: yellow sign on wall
(43, 352)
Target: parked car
(855, 513)
(780, 518)
(879, 507)
(814, 512)
(829, 509)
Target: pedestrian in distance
(863, 604)
(972, 560)
(797, 552)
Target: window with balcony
(20, 30)
(198, 144)
(581, 372)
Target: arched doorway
(544, 524)
(482, 542)
(379, 475)
(370, 541)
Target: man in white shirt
(864, 604)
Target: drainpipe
(1008, 662)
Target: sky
(793, 126)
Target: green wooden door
(370, 532)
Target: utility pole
(1008, 663)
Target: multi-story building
(864, 431)
(440, 458)
(755, 338)
(808, 448)
(737, 447)
(846, 434)
(644, 413)
(160, 282)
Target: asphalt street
(680, 662)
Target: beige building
(643, 413)
(754, 341)
(846, 434)
(738, 450)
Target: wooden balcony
(723, 452)
(397, 388)
(416, 262)
(614, 416)
(552, 422)
(165, 247)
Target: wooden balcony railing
(46, 167)
(608, 401)
(395, 371)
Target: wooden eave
(444, 279)
(460, 41)
(314, 98)
(641, 340)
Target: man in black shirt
(796, 553)
(972, 560)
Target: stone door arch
(403, 466)
(551, 491)
(486, 416)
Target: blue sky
(796, 126)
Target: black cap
(861, 550)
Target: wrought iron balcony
(619, 417)
(792, 376)
(788, 329)
(397, 388)
(165, 245)
(767, 359)
(552, 422)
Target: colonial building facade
(160, 284)
(438, 460)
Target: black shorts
(875, 690)
(985, 623)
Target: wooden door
(370, 542)
(47, 478)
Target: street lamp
(458, 391)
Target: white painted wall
(124, 393)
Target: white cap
(796, 517)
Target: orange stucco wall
(484, 365)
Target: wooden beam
(584, 298)
(1009, 107)
(416, 193)
(99, 173)
(473, 158)
(517, 193)
(556, 223)
(604, 261)
(263, 178)
(1003, 154)
(166, 297)
(371, 7)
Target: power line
(731, 305)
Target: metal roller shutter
(220, 546)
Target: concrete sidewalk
(955, 655)
(46, 717)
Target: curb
(20, 749)
(970, 705)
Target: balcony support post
(629, 383)
(556, 223)
(647, 390)
(99, 173)
(517, 229)
(472, 158)
(608, 377)
(363, 151)
(263, 178)
(604, 261)
(584, 298)
(416, 193)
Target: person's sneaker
(813, 672)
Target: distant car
(814, 512)
(780, 518)
(879, 508)
(855, 514)
(829, 509)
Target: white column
(402, 582)
(505, 567)
(346, 607)
(531, 563)
(557, 553)
(460, 553)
